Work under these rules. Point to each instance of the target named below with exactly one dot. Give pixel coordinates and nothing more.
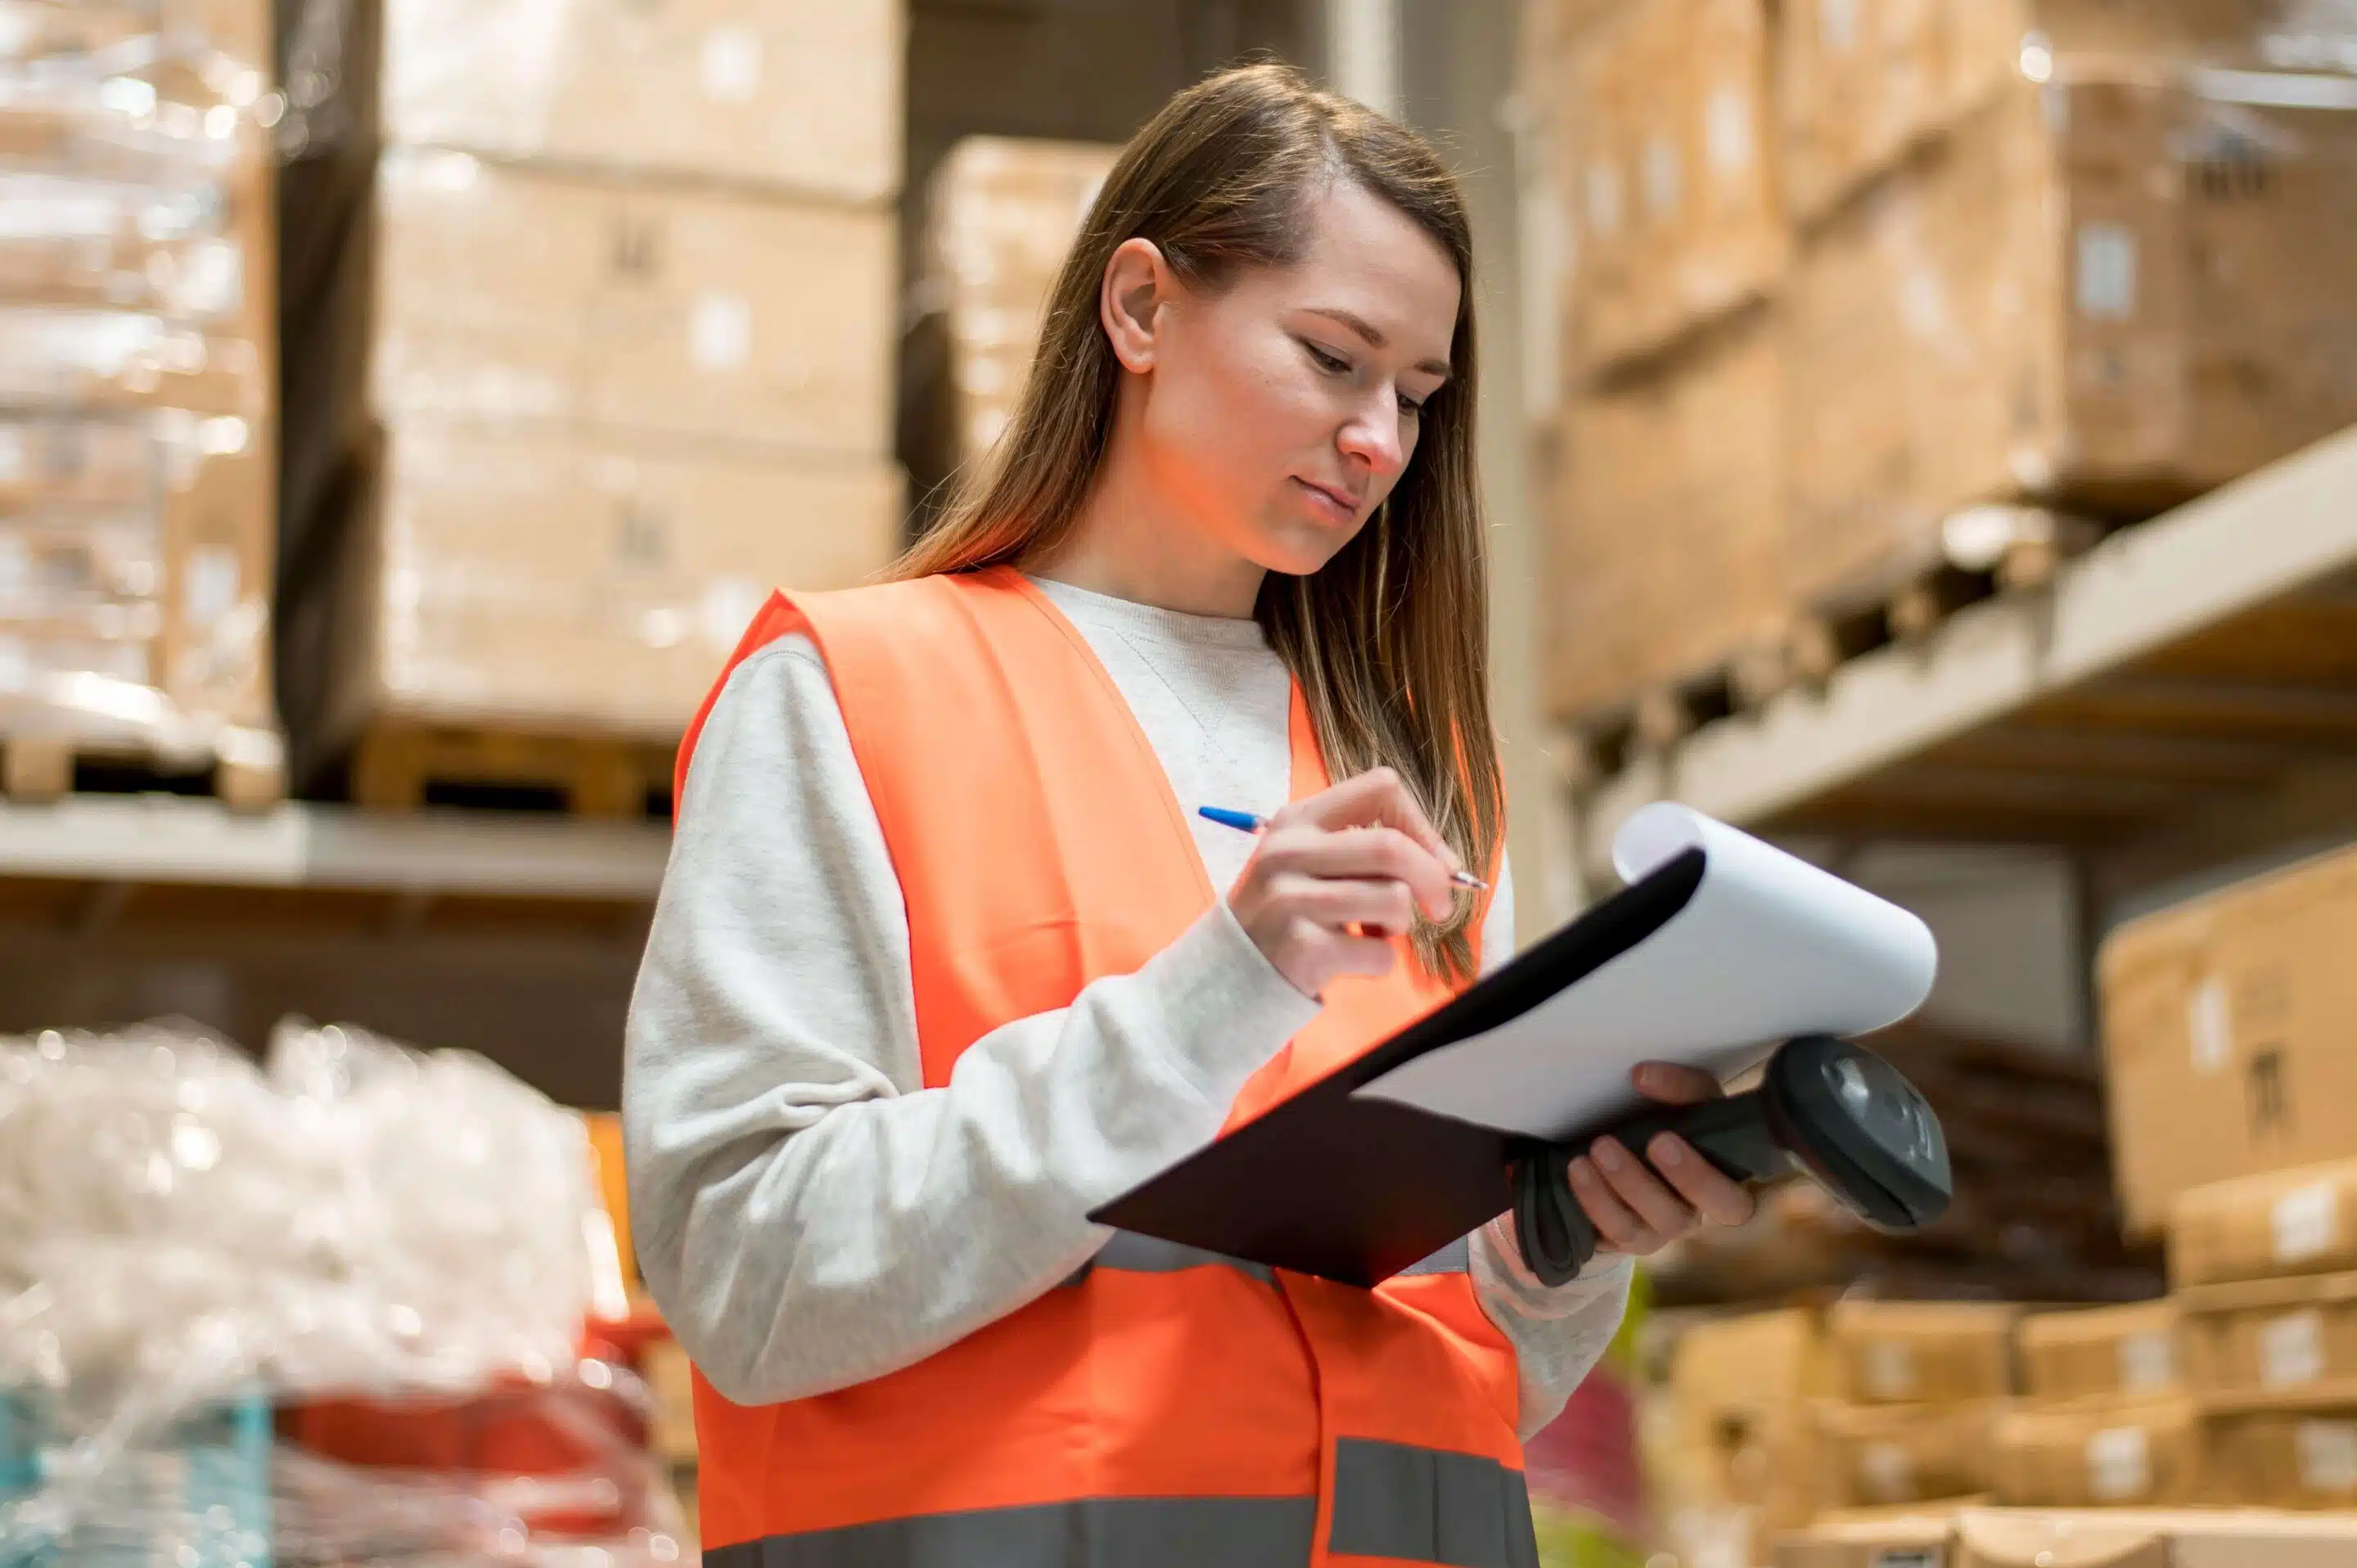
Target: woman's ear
(1137, 283)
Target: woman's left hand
(1639, 1206)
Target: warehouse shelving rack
(2180, 699)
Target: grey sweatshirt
(807, 1213)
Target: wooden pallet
(245, 774)
(1998, 549)
(397, 765)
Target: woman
(941, 962)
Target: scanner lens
(1886, 1107)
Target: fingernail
(1667, 1151)
(1581, 1170)
(1609, 1154)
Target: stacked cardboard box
(2105, 1419)
(2124, 1538)
(1666, 482)
(1732, 1454)
(1923, 1385)
(2047, 253)
(2227, 1034)
(2080, 296)
(137, 426)
(1001, 214)
(614, 333)
(2265, 1268)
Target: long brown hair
(1389, 641)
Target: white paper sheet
(1769, 947)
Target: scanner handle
(1556, 1236)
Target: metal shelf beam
(164, 839)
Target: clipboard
(1719, 948)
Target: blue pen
(1245, 822)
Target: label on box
(2291, 1349)
(2328, 1456)
(2146, 1361)
(2107, 272)
(1838, 24)
(732, 65)
(1727, 130)
(1664, 180)
(2307, 1220)
(208, 587)
(720, 332)
(2209, 1027)
(2119, 1464)
(1888, 1369)
(1604, 205)
(1888, 1471)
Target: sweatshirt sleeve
(1558, 1334)
(808, 1214)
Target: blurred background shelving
(1924, 434)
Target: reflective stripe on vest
(1391, 1501)
(1165, 1399)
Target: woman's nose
(1373, 435)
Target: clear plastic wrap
(179, 1225)
(136, 349)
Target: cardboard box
(2060, 304)
(2102, 1352)
(1891, 1539)
(1666, 529)
(1739, 1388)
(1924, 1352)
(2110, 1538)
(1862, 83)
(2289, 1458)
(1889, 1454)
(135, 547)
(542, 582)
(506, 295)
(1000, 218)
(2230, 1050)
(1662, 139)
(2269, 1339)
(796, 95)
(2101, 1453)
(2139, 1538)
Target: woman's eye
(1411, 407)
(1332, 364)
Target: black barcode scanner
(1831, 1109)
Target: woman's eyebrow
(1375, 339)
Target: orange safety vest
(1166, 1407)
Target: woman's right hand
(1336, 875)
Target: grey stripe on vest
(1094, 1532)
(1131, 1253)
(1395, 1500)
(1457, 1257)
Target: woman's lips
(1334, 505)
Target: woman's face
(1278, 413)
